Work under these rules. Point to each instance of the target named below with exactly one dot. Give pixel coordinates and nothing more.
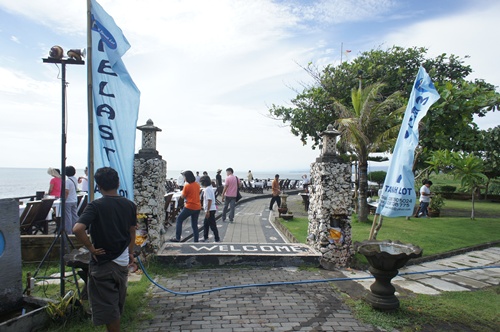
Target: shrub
(494, 188)
(444, 189)
(437, 202)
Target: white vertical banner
(116, 100)
(398, 195)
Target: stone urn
(385, 259)
(282, 211)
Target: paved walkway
(251, 225)
(298, 307)
(451, 274)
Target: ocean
(20, 182)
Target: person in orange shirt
(192, 206)
(276, 192)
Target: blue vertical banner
(116, 100)
(398, 194)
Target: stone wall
(330, 212)
(149, 195)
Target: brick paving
(301, 307)
(298, 307)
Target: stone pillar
(150, 173)
(330, 202)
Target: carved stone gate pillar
(150, 173)
(330, 200)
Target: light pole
(56, 56)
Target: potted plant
(437, 202)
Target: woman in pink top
(55, 182)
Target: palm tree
(369, 126)
(469, 168)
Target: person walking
(210, 208)
(250, 177)
(218, 183)
(276, 192)
(229, 195)
(111, 221)
(425, 199)
(192, 207)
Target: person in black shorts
(112, 221)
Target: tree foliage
(377, 176)
(365, 127)
(448, 124)
(467, 167)
(490, 147)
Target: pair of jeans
(185, 213)
(276, 199)
(424, 208)
(229, 202)
(210, 222)
(70, 216)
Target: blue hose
(218, 289)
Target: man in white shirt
(425, 199)
(84, 180)
(180, 181)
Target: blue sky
(208, 71)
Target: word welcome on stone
(254, 249)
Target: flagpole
(90, 104)
(341, 51)
(376, 225)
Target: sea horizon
(25, 181)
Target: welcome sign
(281, 249)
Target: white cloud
(207, 71)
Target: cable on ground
(218, 289)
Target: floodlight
(56, 52)
(76, 54)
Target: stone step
(219, 254)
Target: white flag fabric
(116, 100)
(398, 195)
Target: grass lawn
(450, 311)
(136, 308)
(453, 230)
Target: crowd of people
(73, 186)
(194, 198)
(111, 223)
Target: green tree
(467, 167)
(366, 127)
(313, 108)
(490, 147)
(377, 176)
